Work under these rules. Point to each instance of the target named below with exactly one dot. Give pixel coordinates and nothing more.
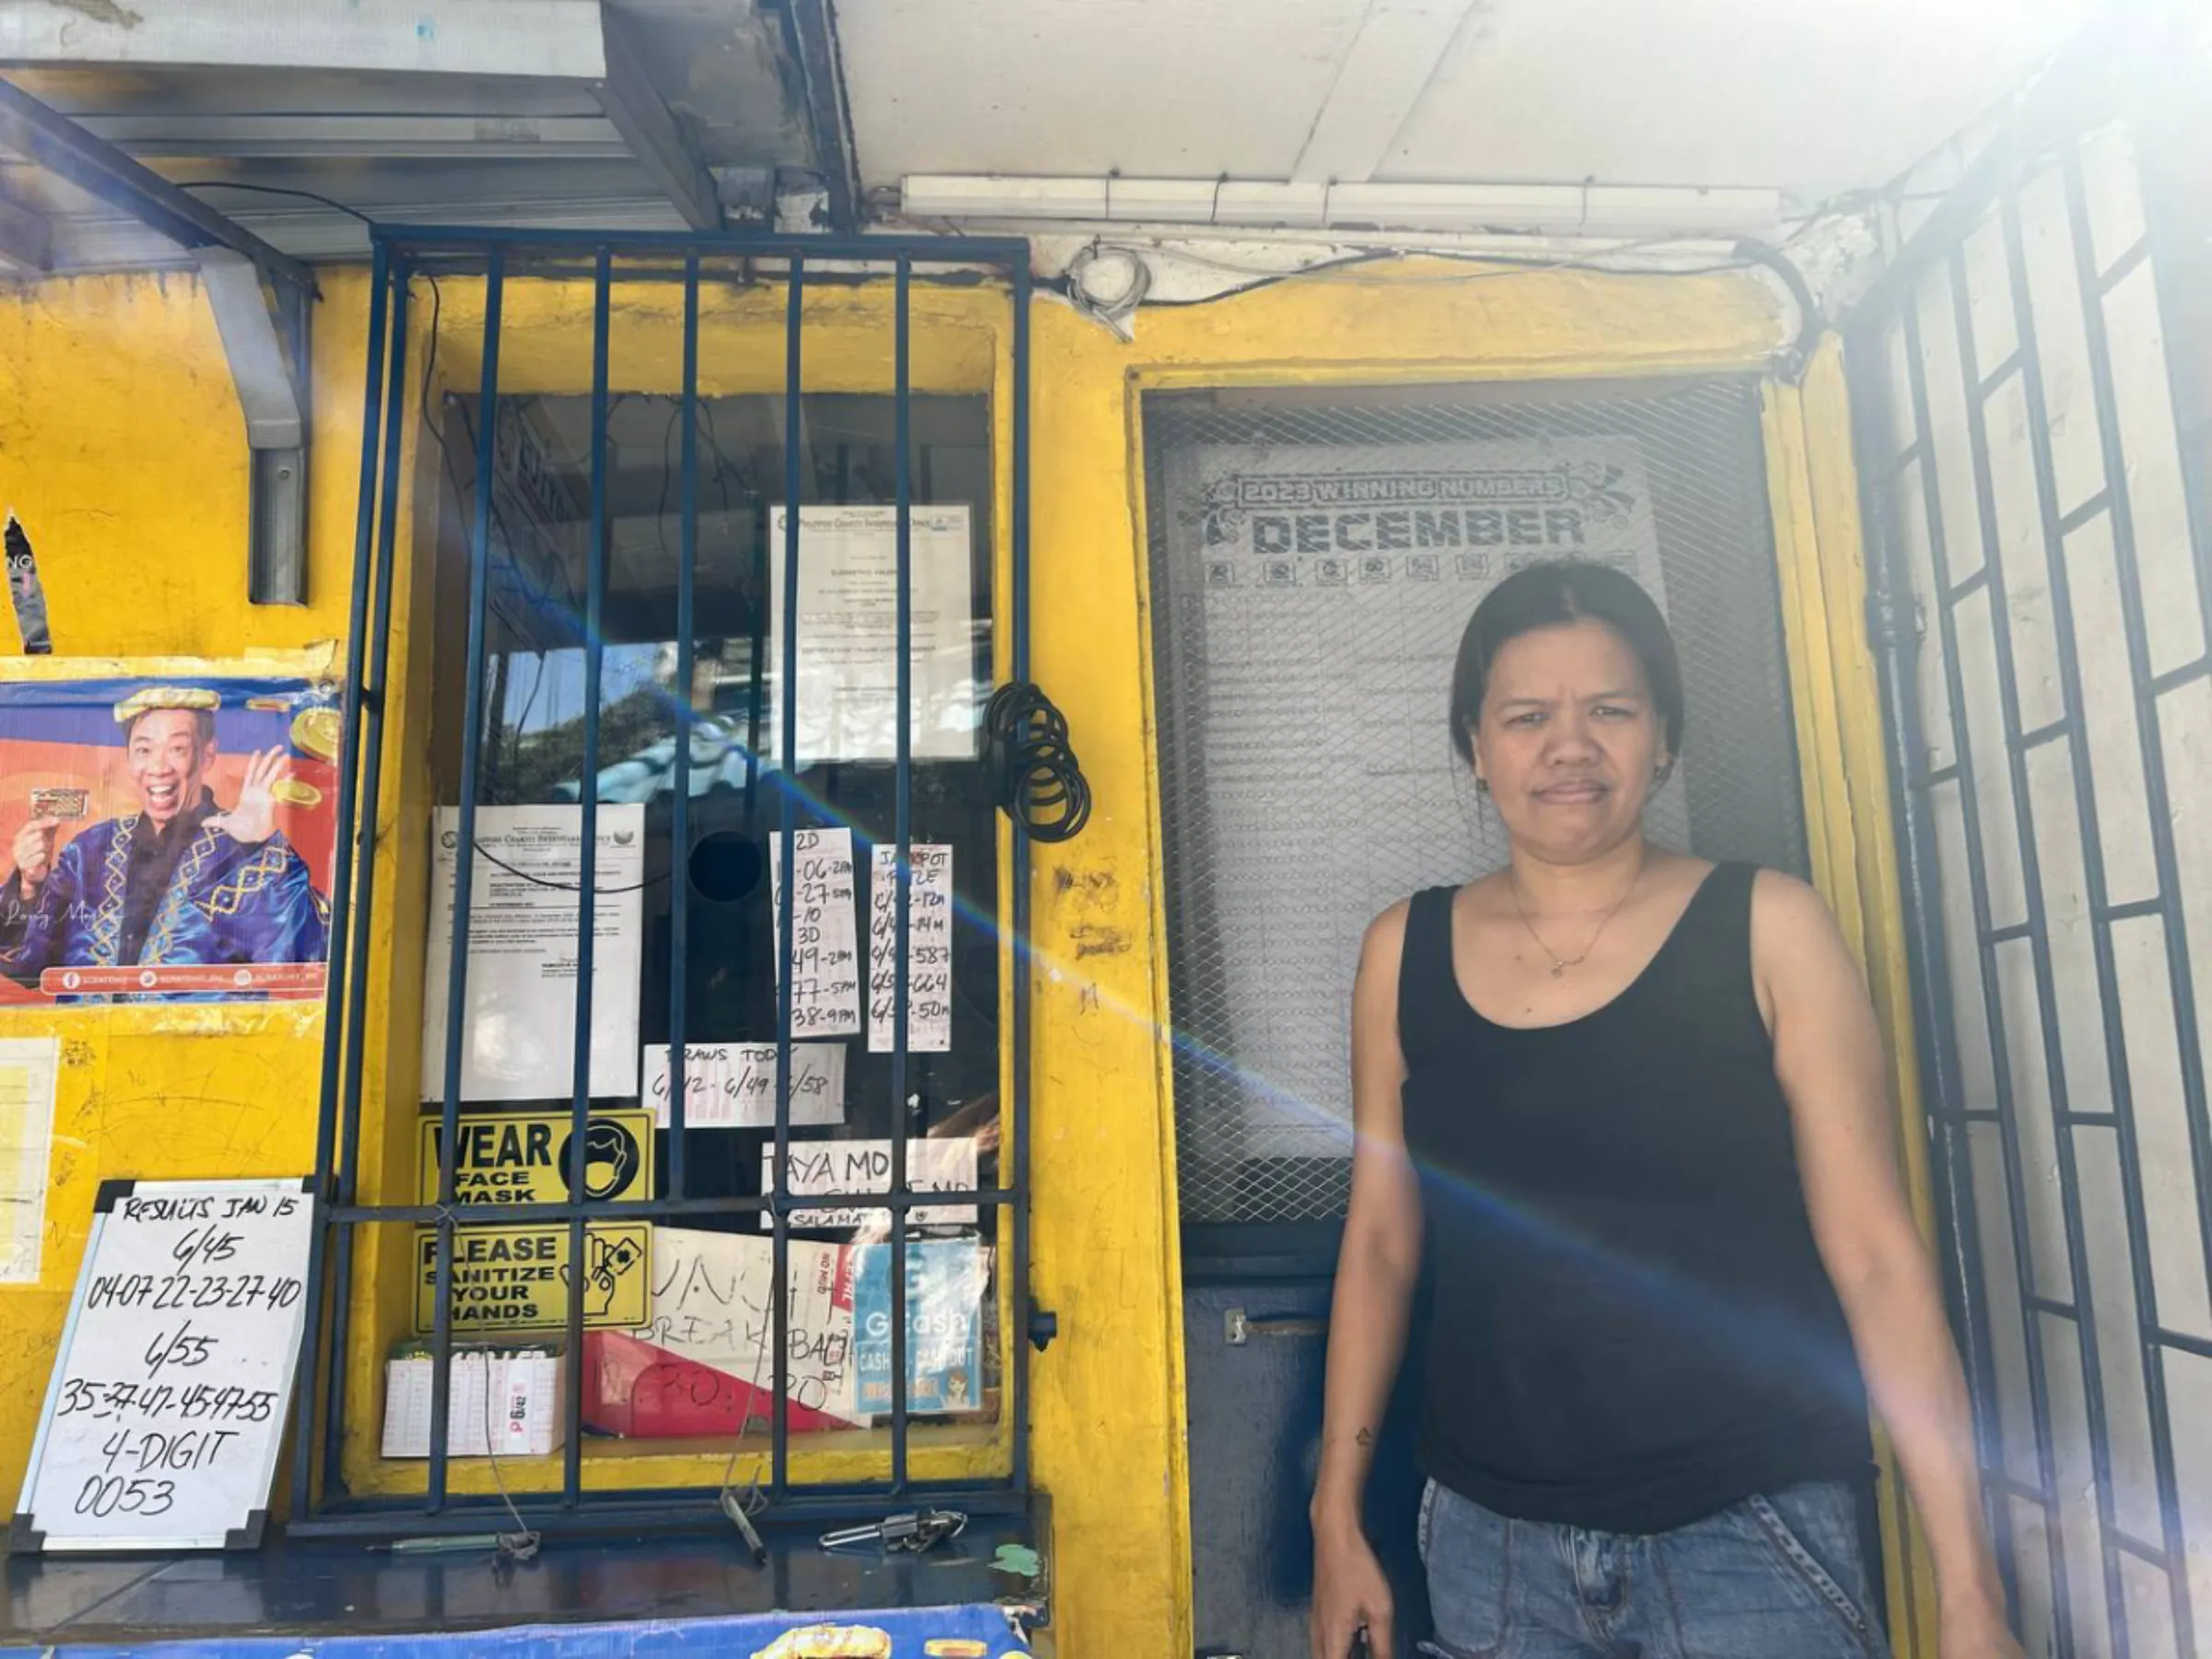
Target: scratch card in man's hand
(60, 802)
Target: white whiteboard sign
(169, 1398)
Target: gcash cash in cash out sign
(516, 1278)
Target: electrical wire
(1592, 258)
(1747, 255)
(276, 190)
(520, 1545)
(1114, 309)
(741, 1509)
(536, 593)
(1503, 267)
(1041, 783)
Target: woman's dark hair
(1554, 594)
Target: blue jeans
(1773, 1578)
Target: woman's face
(1568, 741)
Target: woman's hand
(1979, 1632)
(1350, 1594)
(1376, 1269)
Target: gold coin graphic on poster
(316, 732)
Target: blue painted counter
(969, 1632)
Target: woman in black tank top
(1630, 1108)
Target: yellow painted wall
(122, 451)
(1109, 1396)
(119, 444)
(1814, 490)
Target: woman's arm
(1375, 1275)
(1828, 1055)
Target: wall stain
(104, 11)
(1091, 940)
(1086, 888)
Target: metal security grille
(618, 580)
(1313, 560)
(2043, 608)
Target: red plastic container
(642, 1392)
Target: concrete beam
(271, 394)
(26, 240)
(811, 33)
(652, 131)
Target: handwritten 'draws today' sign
(168, 1401)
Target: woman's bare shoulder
(1790, 912)
(1386, 933)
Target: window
(678, 1326)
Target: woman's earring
(1661, 773)
(1482, 785)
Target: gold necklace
(1560, 964)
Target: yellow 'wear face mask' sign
(516, 1278)
(523, 1157)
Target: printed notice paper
(825, 952)
(27, 1065)
(521, 1026)
(928, 949)
(505, 1403)
(864, 1166)
(848, 654)
(732, 1085)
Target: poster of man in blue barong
(165, 840)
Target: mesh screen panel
(1314, 559)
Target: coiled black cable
(1041, 783)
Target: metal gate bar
(321, 1505)
(1992, 1005)
(464, 870)
(1884, 461)
(686, 574)
(335, 1009)
(350, 944)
